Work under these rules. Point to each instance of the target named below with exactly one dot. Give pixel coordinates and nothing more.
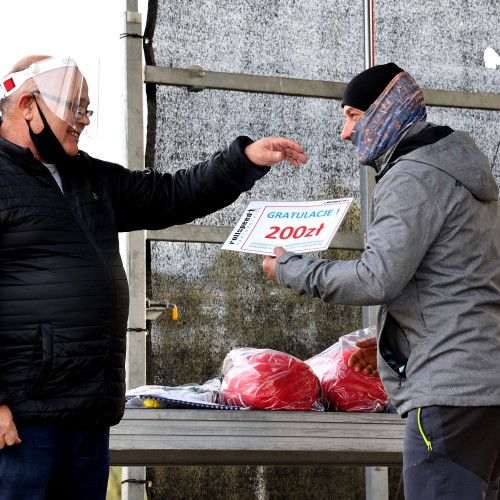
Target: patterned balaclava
(387, 114)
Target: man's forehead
(84, 94)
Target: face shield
(58, 82)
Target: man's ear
(26, 104)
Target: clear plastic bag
(182, 396)
(343, 388)
(265, 379)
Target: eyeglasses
(82, 111)
(77, 110)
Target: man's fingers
(9, 439)
(278, 251)
(12, 439)
(371, 342)
(353, 359)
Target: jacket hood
(458, 156)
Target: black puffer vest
(63, 289)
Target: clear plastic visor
(65, 93)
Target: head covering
(57, 80)
(14, 81)
(362, 91)
(394, 111)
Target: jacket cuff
(240, 143)
(280, 262)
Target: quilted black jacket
(63, 289)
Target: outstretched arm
(152, 200)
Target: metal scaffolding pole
(376, 478)
(195, 78)
(134, 478)
(367, 174)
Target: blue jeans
(55, 462)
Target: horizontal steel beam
(196, 79)
(218, 234)
(468, 100)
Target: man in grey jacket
(432, 262)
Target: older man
(63, 289)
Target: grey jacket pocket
(394, 346)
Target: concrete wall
(223, 298)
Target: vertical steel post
(133, 487)
(369, 33)
(367, 175)
(376, 478)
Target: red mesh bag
(343, 388)
(264, 379)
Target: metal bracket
(196, 71)
(155, 308)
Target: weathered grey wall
(442, 43)
(223, 297)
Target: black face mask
(46, 143)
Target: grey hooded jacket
(433, 261)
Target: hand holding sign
(269, 263)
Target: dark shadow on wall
(149, 59)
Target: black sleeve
(152, 200)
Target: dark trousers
(70, 463)
(452, 453)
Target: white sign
(297, 226)
(491, 58)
